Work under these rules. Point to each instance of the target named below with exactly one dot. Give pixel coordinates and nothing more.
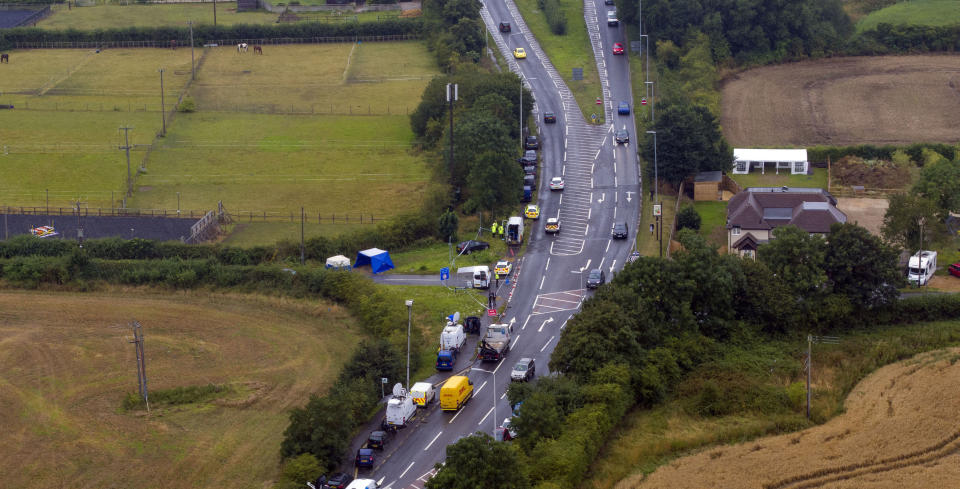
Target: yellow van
(456, 391)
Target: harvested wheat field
(844, 101)
(901, 430)
(66, 364)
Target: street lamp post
(646, 51)
(409, 303)
(656, 189)
(921, 221)
(163, 112)
(653, 104)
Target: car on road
(552, 226)
(623, 108)
(532, 212)
(504, 27)
(364, 457)
(508, 425)
(503, 267)
(619, 230)
(612, 18)
(608, 2)
(519, 53)
(549, 117)
(954, 269)
(524, 370)
(531, 143)
(470, 246)
(377, 439)
(623, 136)
(529, 158)
(556, 183)
(617, 48)
(338, 481)
(530, 170)
(596, 278)
(363, 484)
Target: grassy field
(245, 234)
(242, 145)
(713, 220)
(114, 16)
(771, 179)
(569, 51)
(915, 12)
(69, 365)
(654, 439)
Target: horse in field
(242, 47)
(257, 50)
(173, 44)
(5, 58)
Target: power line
(126, 146)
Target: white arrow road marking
(550, 320)
(586, 266)
(628, 195)
(547, 343)
(512, 320)
(431, 442)
(613, 265)
(602, 196)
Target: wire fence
(165, 43)
(237, 216)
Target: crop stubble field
(67, 364)
(263, 138)
(900, 430)
(844, 101)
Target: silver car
(524, 370)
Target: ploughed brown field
(844, 101)
(901, 430)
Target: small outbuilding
(794, 160)
(338, 262)
(707, 186)
(379, 260)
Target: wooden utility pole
(126, 146)
(141, 363)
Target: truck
(496, 343)
(423, 393)
(921, 267)
(477, 277)
(400, 408)
(515, 230)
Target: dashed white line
(586, 229)
(564, 154)
(608, 246)
(481, 387)
(615, 180)
(515, 340)
(525, 323)
(503, 395)
(589, 213)
(547, 266)
(601, 262)
(454, 417)
(485, 417)
(547, 343)
(541, 281)
(614, 212)
(408, 468)
(434, 439)
(565, 144)
(598, 154)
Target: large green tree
(688, 140)
(861, 267)
(940, 182)
(797, 258)
(901, 222)
(479, 461)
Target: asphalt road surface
(602, 187)
(154, 228)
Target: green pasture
(247, 232)
(713, 221)
(771, 179)
(915, 12)
(152, 15)
(569, 51)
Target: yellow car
(519, 53)
(532, 212)
(502, 268)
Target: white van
(423, 393)
(400, 407)
(921, 267)
(452, 338)
(363, 484)
(477, 277)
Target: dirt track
(844, 101)
(901, 430)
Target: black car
(470, 246)
(529, 158)
(377, 439)
(504, 27)
(549, 117)
(619, 230)
(471, 325)
(608, 2)
(596, 278)
(530, 180)
(623, 136)
(338, 481)
(531, 143)
(530, 170)
(365, 457)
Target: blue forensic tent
(379, 260)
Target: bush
(688, 218)
(556, 18)
(187, 105)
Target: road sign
(578, 73)
(491, 312)
(383, 380)
(643, 101)
(593, 117)
(444, 273)
(599, 101)
(656, 210)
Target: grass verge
(756, 179)
(916, 12)
(713, 221)
(156, 15)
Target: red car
(954, 269)
(617, 48)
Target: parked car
(524, 370)
(608, 2)
(619, 230)
(529, 158)
(470, 246)
(365, 457)
(552, 226)
(530, 170)
(531, 143)
(508, 425)
(623, 108)
(623, 136)
(532, 211)
(954, 269)
(503, 268)
(556, 183)
(617, 48)
(338, 481)
(504, 27)
(549, 117)
(519, 53)
(377, 439)
(471, 325)
(596, 278)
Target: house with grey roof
(754, 213)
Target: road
(602, 186)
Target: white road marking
(564, 156)
(481, 387)
(589, 213)
(451, 420)
(566, 131)
(503, 395)
(598, 154)
(434, 439)
(547, 266)
(601, 262)
(613, 265)
(547, 343)
(541, 281)
(405, 471)
(525, 323)
(549, 320)
(513, 345)
(615, 181)
(564, 144)
(485, 417)
(561, 203)
(586, 266)
(586, 229)
(614, 212)
(564, 325)
(608, 246)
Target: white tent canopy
(338, 262)
(745, 159)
